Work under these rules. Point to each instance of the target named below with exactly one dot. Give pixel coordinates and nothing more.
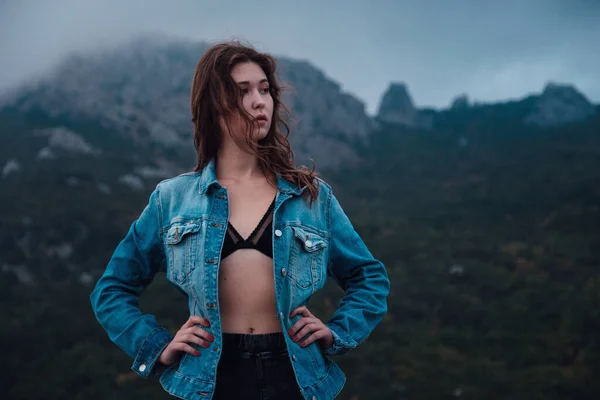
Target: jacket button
(278, 233)
(142, 367)
(283, 271)
(294, 357)
(308, 243)
(281, 315)
(314, 398)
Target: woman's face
(256, 100)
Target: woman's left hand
(310, 325)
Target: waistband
(249, 345)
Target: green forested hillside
(494, 253)
(489, 230)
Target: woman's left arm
(363, 278)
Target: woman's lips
(261, 119)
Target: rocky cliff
(141, 90)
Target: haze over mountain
(140, 89)
(493, 51)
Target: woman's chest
(298, 233)
(249, 209)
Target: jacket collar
(285, 186)
(208, 178)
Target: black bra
(257, 240)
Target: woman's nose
(257, 100)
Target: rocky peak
(559, 104)
(460, 102)
(397, 107)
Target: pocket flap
(310, 241)
(178, 231)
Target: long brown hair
(215, 93)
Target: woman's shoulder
(178, 183)
(322, 182)
(323, 186)
(324, 191)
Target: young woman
(249, 238)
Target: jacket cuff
(147, 357)
(340, 344)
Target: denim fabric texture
(180, 233)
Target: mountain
(397, 108)
(137, 94)
(558, 104)
(141, 90)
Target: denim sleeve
(364, 280)
(115, 298)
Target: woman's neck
(233, 163)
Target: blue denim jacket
(181, 232)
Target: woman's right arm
(115, 299)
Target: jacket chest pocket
(184, 242)
(308, 258)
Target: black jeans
(255, 367)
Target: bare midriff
(247, 293)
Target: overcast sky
(490, 50)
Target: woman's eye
(261, 91)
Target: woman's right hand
(188, 333)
